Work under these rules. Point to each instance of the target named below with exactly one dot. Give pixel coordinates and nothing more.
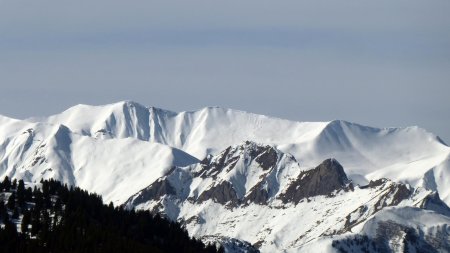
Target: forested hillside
(56, 218)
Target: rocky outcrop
(395, 194)
(211, 167)
(259, 194)
(257, 185)
(155, 191)
(391, 194)
(266, 156)
(326, 178)
(222, 193)
(433, 202)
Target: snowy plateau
(249, 182)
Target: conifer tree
(21, 194)
(11, 201)
(6, 184)
(26, 219)
(15, 214)
(78, 221)
(3, 212)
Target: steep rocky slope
(277, 184)
(258, 194)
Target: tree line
(58, 218)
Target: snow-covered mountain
(393, 229)
(260, 195)
(115, 168)
(411, 155)
(242, 165)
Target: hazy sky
(379, 62)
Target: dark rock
(268, 158)
(194, 220)
(433, 202)
(399, 192)
(155, 191)
(265, 156)
(329, 176)
(373, 184)
(258, 194)
(222, 193)
(212, 168)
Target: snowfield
(193, 166)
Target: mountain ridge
(322, 199)
(366, 152)
(193, 165)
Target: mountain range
(247, 181)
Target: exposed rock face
(395, 194)
(434, 202)
(266, 156)
(391, 194)
(234, 162)
(374, 183)
(329, 176)
(211, 167)
(156, 190)
(247, 189)
(222, 193)
(262, 158)
(259, 194)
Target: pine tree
(14, 184)
(11, 201)
(21, 186)
(26, 219)
(15, 214)
(28, 194)
(44, 226)
(84, 224)
(35, 222)
(3, 212)
(6, 184)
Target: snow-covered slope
(253, 167)
(399, 229)
(411, 155)
(393, 229)
(258, 194)
(114, 168)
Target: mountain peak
(250, 174)
(243, 154)
(324, 179)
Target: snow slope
(251, 165)
(401, 229)
(249, 186)
(411, 155)
(393, 229)
(114, 168)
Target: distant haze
(380, 63)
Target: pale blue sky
(380, 63)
